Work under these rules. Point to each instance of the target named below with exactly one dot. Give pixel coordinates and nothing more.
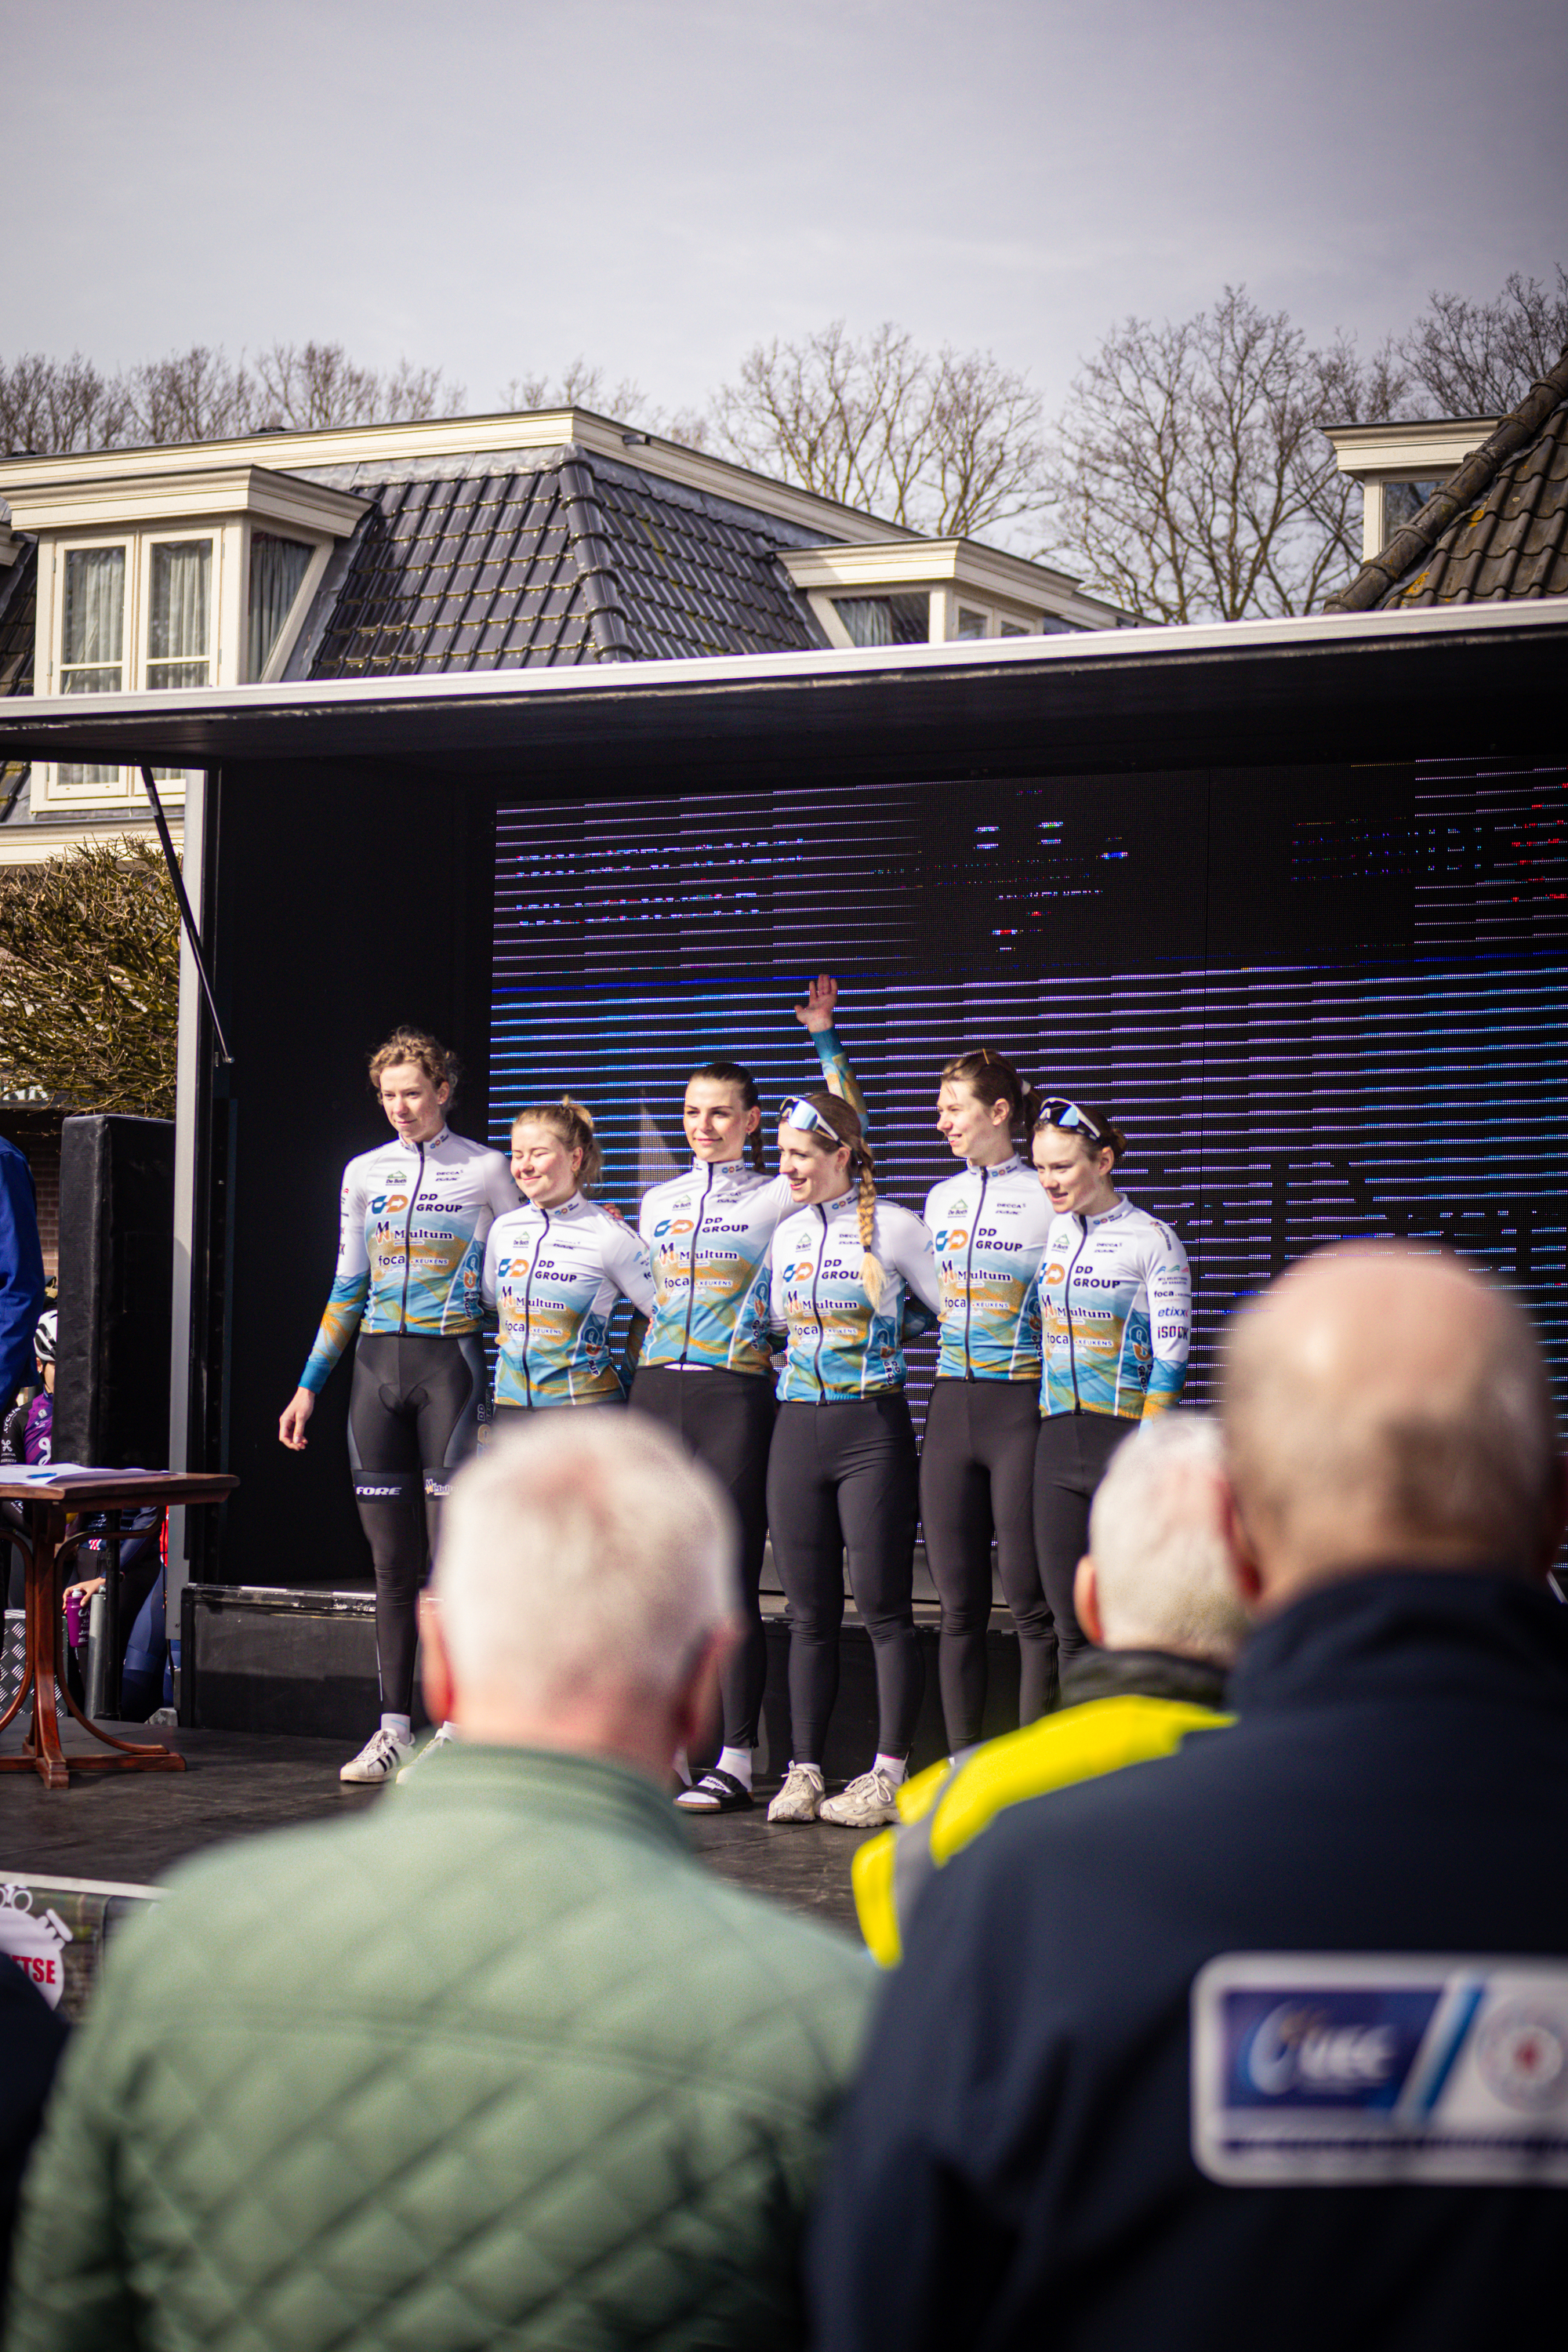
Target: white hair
(1163, 1571)
(585, 1554)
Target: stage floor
(133, 1827)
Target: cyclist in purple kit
(415, 1215)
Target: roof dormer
(932, 591)
(150, 582)
(1401, 466)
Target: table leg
(42, 1752)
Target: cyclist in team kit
(842, 1472)
(988, 1225)
(556, 1268)
(704, 1368)
(416, 1215)
(1115, 1302)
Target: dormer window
(92, 622)
(179, 622)
(152, 583)
(277, 568)
(885, 620)
(1400, 465)
(928, 592)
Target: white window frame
(229, 626)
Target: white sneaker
(864, 1804)
(378, 1759)
(444, 1737)
(800, 1799)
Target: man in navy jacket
(1266, 2043)
(21, 1273)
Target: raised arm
(817, 1015)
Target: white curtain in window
(177, 622)
(277, 568)
(92, 640)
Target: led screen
(1321, 1002)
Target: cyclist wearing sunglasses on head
(1115, 1304)
(704, 1368)
(842, 1475)
(989, 1225)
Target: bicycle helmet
(47, 1337)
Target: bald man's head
(1386, 1408)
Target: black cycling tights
(1071, 1456)
(842, 1480)
(726, 1420)
(977, 1478)
(414, 1414)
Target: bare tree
(198, 394)
(946, 442)
(48, 406)
(1194, 477)
(1479, 358)
(582, 385)
(308, 385)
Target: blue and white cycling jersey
(554, 1277)
(837, 1345)
(1116, 1307)
(411, 1243)
(988, 1227)
(707, 1235)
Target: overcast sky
(660, 183)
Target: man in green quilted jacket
(496, 2061)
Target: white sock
(401, 1727)
(895, 1768)
(682, 1768)
(738, 1762)
(805, 1763)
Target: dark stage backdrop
(1322, 1002)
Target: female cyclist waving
(842, 1474)
(704, 1369)
(415, 1217)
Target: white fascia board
(1408, 450)
(462, 436)
(963, 563)
(10, 546)
(18, 846)
(207, 492)
(1165, 643)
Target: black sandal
(715, 1791)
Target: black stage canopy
(1290, 898)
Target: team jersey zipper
(691, 1263)
(527, 1295)
(1066, 1309)
(969, 1275)
(816, 1271)
(408, 1245)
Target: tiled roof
(1497, 529)
(19, 614)
(574, 562)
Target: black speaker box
(117, 1263)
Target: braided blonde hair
(839, 1115)
(574, 1123)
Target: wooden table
(45, 1541)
